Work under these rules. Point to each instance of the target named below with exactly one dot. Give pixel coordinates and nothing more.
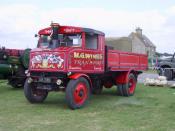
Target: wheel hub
(80, 93)
(130, 84)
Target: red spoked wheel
(128, 89)
(77, 93)
(80, 93)
(132, 85)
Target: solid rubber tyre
(119, 89)
(77, 93)
(129, 88)
(34, 95)
(16, 83)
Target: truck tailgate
(117, 60)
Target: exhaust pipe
(55, 31)
(54, 35)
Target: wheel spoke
(132, 85)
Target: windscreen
(65, 40)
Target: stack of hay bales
(159, 81)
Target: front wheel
(77, 93)
(33, 94)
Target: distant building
(142, 44)
(136, 42)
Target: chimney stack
(139, 31)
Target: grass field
(151, 109)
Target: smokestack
(54, 36)
(55, 30)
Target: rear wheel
(33, 94)
(120, 89)
(16, 83)
(77, 93)
(129, 87)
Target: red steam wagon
(77, 61)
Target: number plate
(45, 80)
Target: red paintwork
(78, 75)
(13, 52)
(82, 61)
(86, 62)
(62, 30)
(125, 61)
(45, 64)
(108, 84)
(122, 77)
(80, 93)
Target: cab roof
(70, 30)
(88, 30)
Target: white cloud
(105, 19)
(171, 10)
(19, 23)
(18, 17)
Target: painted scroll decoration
(47, 61)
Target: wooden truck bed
(124, 61)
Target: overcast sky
(20, 20)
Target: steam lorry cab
(77, 61)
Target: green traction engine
(13, 63)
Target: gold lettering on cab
(88, 56)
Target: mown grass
(151, 109)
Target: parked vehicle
(166, 67)
(13, 64)
(77, 61)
